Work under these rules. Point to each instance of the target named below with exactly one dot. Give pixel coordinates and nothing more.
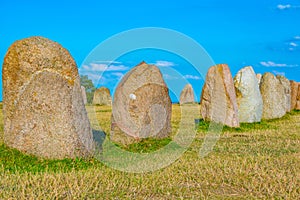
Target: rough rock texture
(141, 106)
(102, 96)
(273, 96)
(249, 100)
(44, 114)
(287, 91)
(258, 76)
(218, 99)
(298, 98)
(83, 92)
(294, 92)
(187, 95)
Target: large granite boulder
(294, 92)
(187, 95)
(249, 100)
(102, 96)
(44, 114)
(141, 106)
(287, 91)
(273, 97)
(218, 98)
(83, 92)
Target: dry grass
(244, 165)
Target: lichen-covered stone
(187, 95)
(44, 114)
(102, 96)
(249, 100)
(294, 93)
(273, 97)
(287, 91)
(141, 106)
(218, 98)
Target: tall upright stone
(218, 98)
(44, 114)
(187, 95)
(273, 97)
(83, 92)
(287, 91)
(298, 98)
(141, 106)
(258, 76)
(102, 96)
(249, 100)
(294, 92)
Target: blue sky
(264, 34)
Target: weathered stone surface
(298, 98)
(273, 96)
(249, 100)
(258, 76)
(287, 91)
(141, 106)
(83, 92)
(102, 96)
(187, 95)
(294, 91)
(44, 114)
(218, 98)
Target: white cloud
(293, 44)
(297, 37)
(283, 7)
(273, 64)
(169, 77)
(192, 77)
(163, 63)
(100, 67)
(118, 74)
(278, 73)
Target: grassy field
(260, 160)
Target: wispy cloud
(293, 44)
(188, 76)
(284, 7)
(169, 77)
(163, 63)
(107, 62)
(273, 64)
(297, 37)
(278, 73)
(101, 67)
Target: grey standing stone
(102, 96)
(44, 114)
(273, 96)
(187, 95)
(258, 76)
(218, 98)
(83, 92)
(141, 106)
(287, 91)
(249, 100)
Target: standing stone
(294, 91)
(258, 76)
(141, 106)
(83, 92)
(287, 91)
(249, 100)
(273, 96)
(102, 96)
(218, 98)
(44, 114)
(187, 95)
(298, 98)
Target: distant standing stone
(141, 106)
(102, 96)
(218, 99)
(294, 93)
(83, 92)
(258, 76)
(187, 95)
(298, 98)
(273, 96)
(44, 114)
(287, 91)
(249, 100)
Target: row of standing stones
(41, 121)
